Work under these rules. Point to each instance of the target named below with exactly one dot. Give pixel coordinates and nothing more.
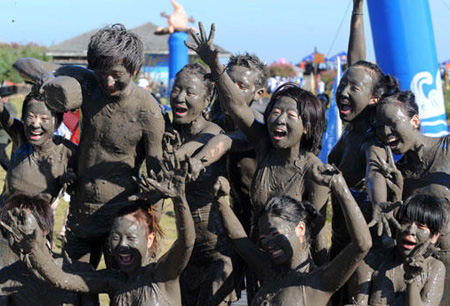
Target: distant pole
(178, 55)
(404, 47)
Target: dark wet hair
(310, 110)
(425, 209)
(203, 73)
(38, 205)
(146, 215)
(252, 62)
(383, 84)
(404, 99)
(293, 212)
(40, 98)
(113, 44)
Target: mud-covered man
(122, 125)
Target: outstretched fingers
(212, 33)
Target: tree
(9, 53)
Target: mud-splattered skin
(138, 280)
(388, 285)
(39, 159)
(122, 125)
(284, 263)
(272, 157)
(424, 165)
(210, 274)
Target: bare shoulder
(212, 128)
(146, 105)
(436, 266)
(311, 160)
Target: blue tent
(342, 55)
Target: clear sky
(272, 29)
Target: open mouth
(345, 106)
(393, 142)
(125, 259)
(180, 110)
(279, 133)
(276, 254)
(36, 135)
(409, 243)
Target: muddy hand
(383, 218)
(171, 141)
(325, 174)
(23, 230)
(221, 187)
(415, 262)
(203, 46)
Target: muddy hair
(425, 209)
(203, 73)
(310, 110)
(404, 99)
(252, 62)
(38, 205)
(40, 98)
(145, 215)
(293, 212)
(113, 44)
(383, 84)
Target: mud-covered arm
(175, 260)
(12, 126)
(34, 70)
(357, 42)
(335, 273)
(26, 236)
(257, 259)
(190, 147)
(63, 86)
(318, 195)
(424, 276)
(153, 130)
(431, 293)
(221, 144)
(230, 97)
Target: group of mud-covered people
(272, 239)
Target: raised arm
(420, 291)
(12, 126)
(172, 185)
(153, 126)
(257, 259)
(335, 273)
(63, 85)
(26, 235)
(357, 42)
(230, 97)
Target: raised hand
(171, 141)
(202, 46)
(394, 178)
(415, 265)
(23, 231)
(325, 174)
(221, 187)
(383, 217)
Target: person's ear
(300, 231)
(150, 239)
(374, 100)
(258, 94)
(434, 238)
(415, 121)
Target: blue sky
(287, 29)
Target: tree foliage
(282, 70)
(9, 53)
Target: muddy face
(114, 80)
(284, 124)
(188, 98)
(39, 123)
(277, 238)
(129, 243)
(354, 93)
(395, 129)
(411, 235)
(244, 78)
